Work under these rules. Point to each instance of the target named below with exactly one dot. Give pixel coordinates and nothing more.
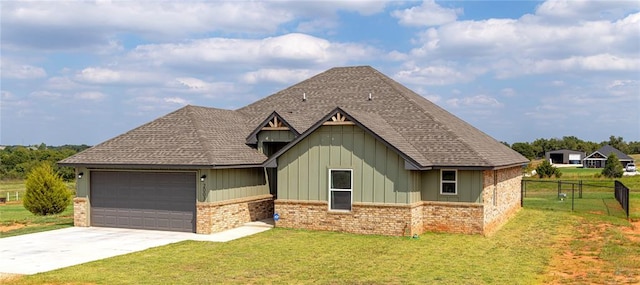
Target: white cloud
(427, 14)
(5, 95)
(509, 48)
(280, 51)
(90, 95)
(277, 75)
(477, 101)
(62, 83)
(194, 83)
(34, 24)
(10, 69)
(625, 87)
(438, 74)
(99, 75)
(508, 92)
(46, 94)
(175, 100)
(153, 103)
(572, 10)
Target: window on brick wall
(340, 189)
(448, 182)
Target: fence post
(559, 188)
(522, 182)
(572, 194)
(580, 189)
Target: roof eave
(157, 166)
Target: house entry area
(143, 200)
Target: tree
(618, 143)
(545, 169)
(46, 192)
(525, 149)
(612, 167)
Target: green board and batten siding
(379, 175)
(234, 183)
(469, 186)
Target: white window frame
(340, 190)
(455, 182)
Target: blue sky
(84, 72)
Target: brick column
(80, 211)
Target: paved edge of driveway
(50, 250)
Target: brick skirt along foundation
(219, 216)
(80, 207)
(383, 219)
(453, 217)
(364, 218)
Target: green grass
(517, 254)
(12, 187)
(16, 220)
(579, 172)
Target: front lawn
(522, 252)
(16, 220)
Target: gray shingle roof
(606, 150)
(417, 128)
(440, 138)
(189, 137)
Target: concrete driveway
(45, 251)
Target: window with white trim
(448, 182)
(340, 189)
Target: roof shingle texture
(203, 136)
(440, 138)
(190, 136)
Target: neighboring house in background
(348, 150)
(598, 158)
(565, 156)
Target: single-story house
(347, 150)
(598, 158)
(565, 156)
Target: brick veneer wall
(364, 218)
(80, 211)
(416, 218)
(218, 216)
(453, 217)
(502, 199)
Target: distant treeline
(17, 161)
(539, 147)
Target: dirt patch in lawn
(11, 227)
(578, 259)
(17, 226)
(4, 277)
(633, 232)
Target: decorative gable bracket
(275, 124)
(338, 119)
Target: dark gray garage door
(143, 200)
